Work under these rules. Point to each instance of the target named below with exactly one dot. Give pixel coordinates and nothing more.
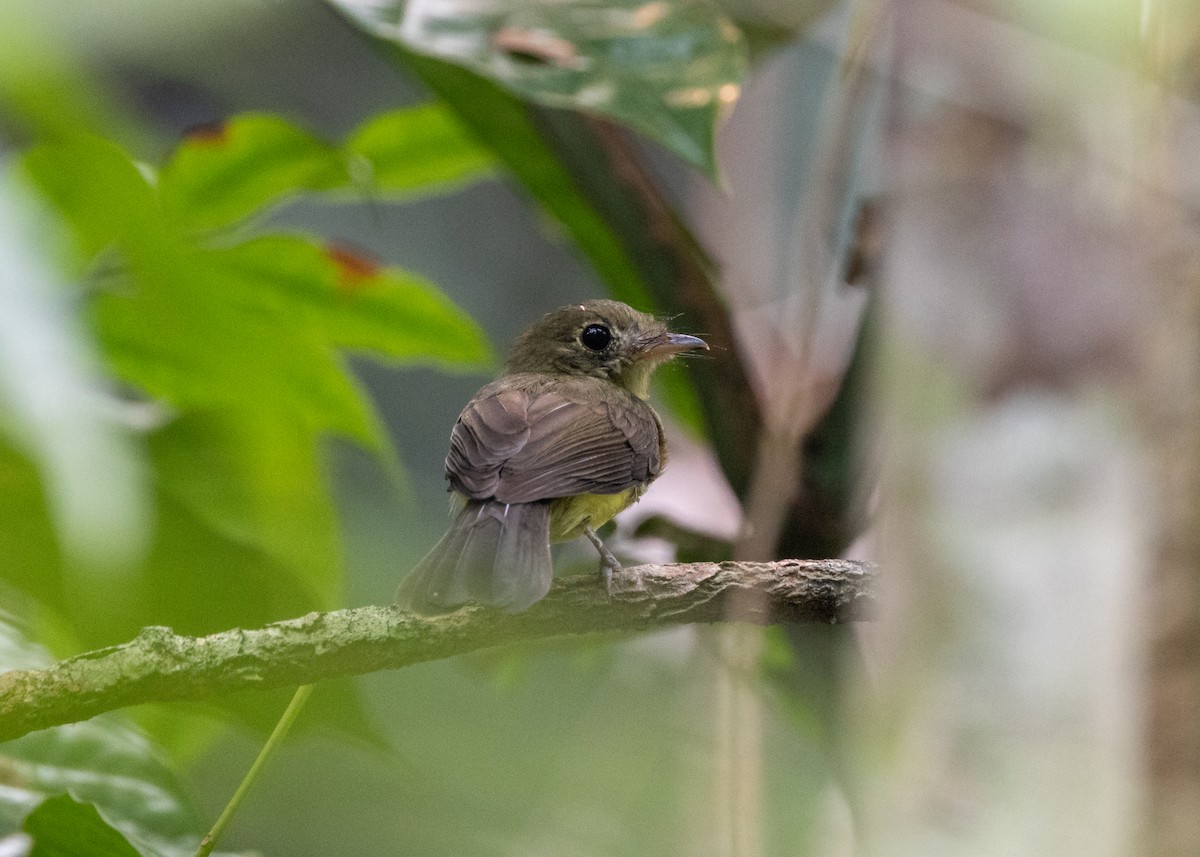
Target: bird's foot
(608, 563)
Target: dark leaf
(668, 69)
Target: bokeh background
(955, 246)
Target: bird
(558, 444)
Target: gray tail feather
(494, 554)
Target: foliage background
(184, 440)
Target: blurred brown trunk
(1039, 668)
(1173, 623)
(1171, 34)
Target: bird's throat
(636, 377)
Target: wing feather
(532, 443)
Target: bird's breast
(569, 515)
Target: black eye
(596, 337)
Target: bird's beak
(672, 343)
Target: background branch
(159, 665)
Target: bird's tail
(494, 554)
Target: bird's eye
(596, 337)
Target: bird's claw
(608, 563)
(608, 567)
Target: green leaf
(234, 359)
(360, 306)
(95, 787)
(63, 827)
(45, 88)
(225, 172)
(256, 482)
(241, 350)
(244, 534)
(98, 191)
(668, 68)
(33, 559)
(198, 333)
(418, 149)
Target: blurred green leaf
(359, 306)
(240, 348)
(238, 352)
(418, 149)
(44, 88)
(183, 732)
(668, 69)
(98, 190)
(63, 827)
(676, 389)
(198, 333)
(97, 787)
(244, 534)
(235, 373)
(209, 568)
(254, 481)
(33, 559)
(225, 172)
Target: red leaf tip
(354, 265)
(213, 133)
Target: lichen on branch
(159, 665)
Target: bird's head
(600, 338)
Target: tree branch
(159, 666)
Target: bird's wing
(520, 446)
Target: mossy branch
(159, 666)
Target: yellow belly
(569, 515)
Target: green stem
(209, 842)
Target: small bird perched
(558, 445)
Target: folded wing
(524, 445)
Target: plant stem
(209, 842)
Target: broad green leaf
(98, 191)
(95, 787)
(668, 68)
(225, 172)
(417, 149)
(236, 355)
(206, 569)
(240, 349)
(199, 334)
(244, 535)
(359, 306)
(63, 827)
(201, 328)
(254, 481)
(32, 551)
